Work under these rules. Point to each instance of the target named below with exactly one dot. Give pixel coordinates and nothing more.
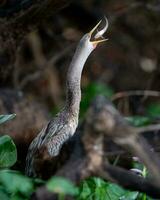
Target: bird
(58, 130)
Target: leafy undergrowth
(92, 90)
(16, 186)
(96, 188)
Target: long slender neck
(73, 82)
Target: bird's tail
(34, 146)
(29, 169)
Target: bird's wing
(51, 138)
(55, 143)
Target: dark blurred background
(32, 82)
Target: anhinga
(50, 140)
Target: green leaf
(17, 196)
(91, 91)
(154, 110)
(142, 196)
(93, 188)
(138, 165)
(5, 118)
(114, 192)
(8, 152)
(139, 120)
(96, 188)
(85, 191)
(130, 196)
(61, 186)
(98, 182)
(16, 183)
(38, 182)
(3, 194)
(100, 193)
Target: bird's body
(50, 140)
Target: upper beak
(98, 37)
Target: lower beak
(98, 41)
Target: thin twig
(154, 127)
(136, 93)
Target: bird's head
(95, 36)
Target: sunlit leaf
(100, 193)
(114, 192)
(96, 188)
(5, 118)
(61, 186)
(8, 152)
(85, 191)
(154, 110)
(139, 120)
(14, 182)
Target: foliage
(15, 186)
(92, 90)
(152, 113)
(96, 188)
(154, 110)
(62, 187)
(91, 189)
(8, 152)
(139, 120)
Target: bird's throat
(74, 74)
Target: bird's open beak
(98, 37)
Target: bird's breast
(73, 125)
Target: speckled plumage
(52, 136)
